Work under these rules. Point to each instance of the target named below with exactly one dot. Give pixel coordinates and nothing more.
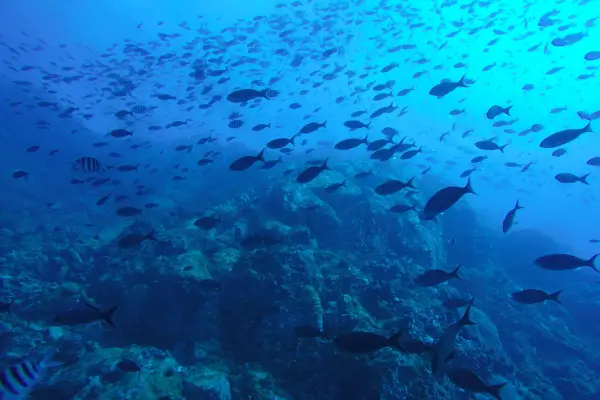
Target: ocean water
(119, 188)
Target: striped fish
(18, 380)
(139, 109)
(87, 164)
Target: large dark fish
(85, 314)
(509, 219)
(446, 87)
(348, 144)
(468, 380)
(246, 162)
(563, 137)
(312, 126)
(312, 172)
(393, 186)
(564, 262)
(244, 95)
(534, 296)
(435, 277)
(443, 349)
(366, 342)
(444, 199)
(135, 239)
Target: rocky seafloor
(340, 261)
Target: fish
(243, 163)
(563, 137)
(120, 133)
(135, 239)
(454, 303)
(20, 174)
(401, 208)
(84, 314)
(128, 211)
(5, 307)
(348, 144)
(489, 145)
(393, 186)
(335, 186)
(281, 142)
(509, 219)
(207, 223)
(244, 95)
(354, 124)
(312, 127)
(594, 161)
(435, 277)
(360, 342)
(312, 172)
(495, 110)
(18, 380)
(564, 262)
(566, 177)
(260, 127)
(127, 365)
(469, 381)
(87, 164)
(534, 296)
(443, 199)
(443, 349)
(446, 87)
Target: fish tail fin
(410, 182)
(503, 147)
(394, 340)
(554, 296)
(454, 273)
(343, 183)
(472, 301)
(265, 93)
(293, 138)
(590, 262)
(324, 124)
(368, 126)
(588, 127)
(468, 188)
(507, 110)
(108, 316)
(365, 140)
(518, 207)
(325, 166)
(152, 235)
(461, 83)
(260, 156)
(584, 177)
(466, 318)
(494, 390)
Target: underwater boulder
(212, 386)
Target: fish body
(495, 110)
(563, 137)
(246, 162)
(135, 239)
(244, 95)
(564, 262)
(444, 199)
(534, 296)
(566, 177)
(509, 219)
(81, 315)
(311, 173)
(351, 143)
(366, 342)
(312, 126)
(393, 186)
(446, 87)
(435, 277)
(443, 349)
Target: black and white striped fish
(139, 109)
(17, 380)
(87, 164)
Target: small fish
(120, 133)
(243, 163)
(207, 223)
(312, 127)
(260, 127)
(436, 277)
(534, 296)
(495, 110)
(127, 365)
(87, 164)
(564, 262)
(401, 208)
(366, 342)
(85, 314)
(444, 199)
(17, 381)
(566, 177)
(469, 381)
(354, 124)
(446, 87)
(335, 186)
(128, 211)
(393, 186)
(443, 349)
(135, 239)
(509, 219)
(348, 144)
(312, 172)
(20, 174)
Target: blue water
(59, 247)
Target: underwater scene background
(276, 199)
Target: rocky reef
(338, 261)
